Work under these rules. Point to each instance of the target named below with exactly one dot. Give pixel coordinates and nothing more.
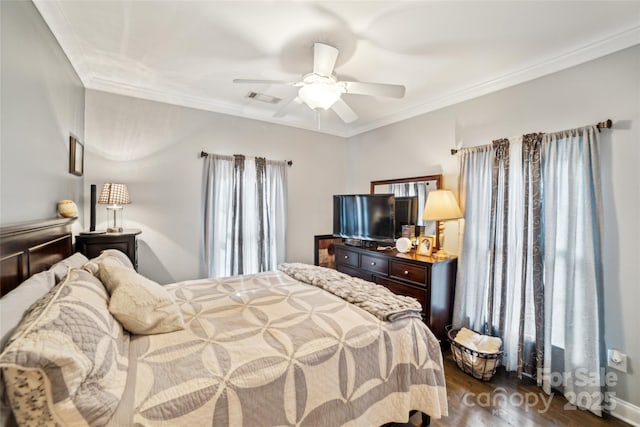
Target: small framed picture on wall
(76, 156)
(425, 245)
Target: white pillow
(12, 307)
(142, 306)
(93, 264)
(61, 268)
(66, 363)
(15, 303)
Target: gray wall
(42, 104)
(154, 148)
(608, 87)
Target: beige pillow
(141, 305)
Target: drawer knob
(346, 257)
(406, 273)
(373, 263)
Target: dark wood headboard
(31, 247)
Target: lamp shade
(114, 194)
(441, 206)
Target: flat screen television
(364, 217)
(406, 213)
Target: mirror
(417, 186)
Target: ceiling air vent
(263, 98)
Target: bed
(289, 347)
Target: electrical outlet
(617, 360)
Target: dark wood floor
(476, 403)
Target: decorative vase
(67, 209)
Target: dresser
(429, 280)
(92, 244)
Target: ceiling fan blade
(282, 111)
(376, 89)
(265, 82)
(344, 111)
(324, 59)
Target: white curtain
(573, 281)
(245, 206)
(473, 270)
(276, 208)
(529, 269)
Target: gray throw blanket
(375, 299)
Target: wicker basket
(475, 363)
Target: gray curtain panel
(530, 354)
(498, 246)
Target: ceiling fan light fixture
(321, 89)
(319, 95)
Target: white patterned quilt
(269, 350)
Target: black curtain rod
(607, 124)
(205, 154)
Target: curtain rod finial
(607, 124)
(454, 151)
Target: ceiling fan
(321, 90)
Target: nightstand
(92, 244)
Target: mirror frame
(436, 178)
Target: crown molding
(200, 103)
(612, 44)
(617, 42)
(60, 27)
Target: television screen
(364, 216)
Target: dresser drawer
(346, 257)
(403, 289)
(355, 272)
(410, 272)
(374, 263)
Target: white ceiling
(188, 52)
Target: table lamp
(114, 196)
(441, 206)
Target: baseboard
(625, 411)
